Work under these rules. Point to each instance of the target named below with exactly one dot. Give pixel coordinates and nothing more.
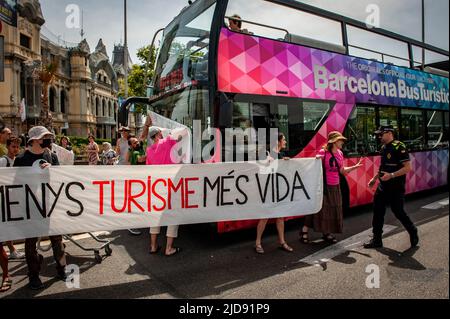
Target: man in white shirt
(13, 148)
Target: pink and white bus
(307, 72)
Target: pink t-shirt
(331, 169)
(159, 154)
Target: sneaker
(36, 283)
(16, 255)
(414, 238)
(374, 243)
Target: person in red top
(330, 219)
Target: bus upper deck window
(270, 20)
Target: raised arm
(147, 125)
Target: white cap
(153, 131)
(38, 132)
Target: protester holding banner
(6, 281)
(160, 153)
(40, 139)
(93, 150)
(178, 131)
(122, 146)
(13, 148)
(280, 221)
(330, 220)
(64, 151)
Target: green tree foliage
(139, 73)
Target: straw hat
(333, 137)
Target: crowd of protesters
(153, 147)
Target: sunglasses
(238, 23)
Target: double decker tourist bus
(306, 71)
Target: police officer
(395, 165)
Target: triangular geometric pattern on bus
(252, 65)
(276, 66)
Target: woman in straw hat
(329, 220)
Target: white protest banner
(78, 199)
(65, 157)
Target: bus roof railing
(383, 54)
(297, 39)
(440, 72)
(356, 23)
(292, 38)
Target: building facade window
(110, 109)
(52, 99)
(25, 41)
(63, 101)
(104, 108)
(97, 107)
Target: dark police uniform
(392, 192)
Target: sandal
(156, 251)
(286, 248)
(177, 250)
(304, 237)
(330, 238)
(6, 285)
(259, 249)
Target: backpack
(49, 158)
(8, 164)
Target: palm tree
(46, 75)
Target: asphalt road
(227, 266)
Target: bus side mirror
(123, 116)
(226, 115)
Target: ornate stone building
(82, 97)
(22, 47)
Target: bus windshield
(185, 49)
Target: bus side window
(412, 131)
(435, 129)
(446, 126)
(359, 131)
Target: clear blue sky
(104, 18)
